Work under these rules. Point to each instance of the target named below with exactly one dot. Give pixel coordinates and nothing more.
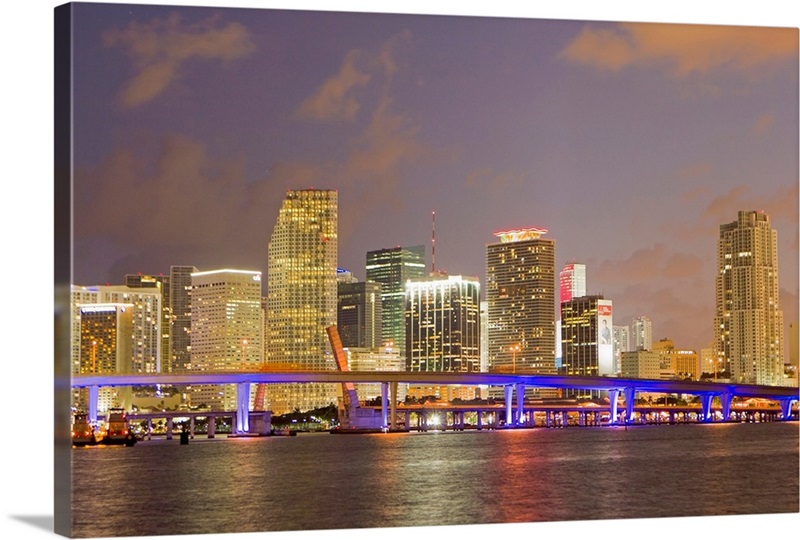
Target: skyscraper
(520, 292)
(302, 295)
(748, 323)
(641, 334)
(359, 314)
(391, 268)
(226, 327)
(180, 301)
(572, 281)
(443, 328)
(141, 281)
(587, 340)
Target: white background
(27, 210)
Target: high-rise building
(678, 363)
(391, 268)
(142, 281)
(641, 334)
(105, 343)
(359, 314)
(146, 337)
(180, 301)
(640, 364)
(226, 329)
(520, 292)
(375, 359)
(587, 340)
(622, 343)
(301, 295)
(443, 327)
(748, 323)
(572, 281)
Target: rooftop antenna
(433, 242)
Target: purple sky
(630, 143)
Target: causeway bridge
(514, 390)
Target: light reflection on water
(322, 481)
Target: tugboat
(118, 429)
(83, 432)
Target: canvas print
(322, 271)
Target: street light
(514, 350)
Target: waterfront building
(226, 330)
(587, 342)
(359, 314)
(146, 337)
(640, 364)
(302, 295)
(375, 359)
(677, 363)
(392, 267)
(622, 343)
(520, 295)
(641, 334)
(572, 281)
(180, 301)
(793, 344)
(105, 340)
(748, 322)
(443, 328)
(143, 281)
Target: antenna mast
(433, 243)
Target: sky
(630, 143)
(728, 165)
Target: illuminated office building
(572, 281)
(391, 268)
(443, 327)
(587, 340)
(302, 295)
(359, 314)
(105, 346)
(226, 330)
(748, 323)
(622, 343)
(641, 334)
(520, 295)
(180, 301)
(161, 282)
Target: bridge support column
(726, 398)
(384, 405)
(149, 429)
(94, 392)
(706, 400)
(630, 394)
(786, 408)
(212, 425)
(242, 420)
(508, 389)
(169, 428)
(479, 422)
(191, 427)
(408, 420)
(393, 406)
(520, 403)
(548, 418)
(613, 395)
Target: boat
(118, 429)
(83, 432)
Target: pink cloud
(160, 48)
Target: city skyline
(531, 123)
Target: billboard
(605, 338)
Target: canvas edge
(62, 271)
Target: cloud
(335, 99)
(780, 205)
(160, 48)
(764, 124)
(682, 49)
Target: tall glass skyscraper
(748, 323)
(520, 291)
(302, 294)
(391, 268)
(180, 301)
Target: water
(323, 481)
